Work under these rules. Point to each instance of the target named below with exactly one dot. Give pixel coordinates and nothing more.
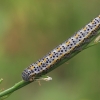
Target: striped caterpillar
(63, 52)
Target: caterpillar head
(27, 76)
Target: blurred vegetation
(31, 28)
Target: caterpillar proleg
(63, 52)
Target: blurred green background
(29, 29)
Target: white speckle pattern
(63, 51)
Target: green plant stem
(14, 88)
(90, 45)
(22, 83)
(1, 80)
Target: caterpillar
(63, 52)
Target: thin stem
(90, 45)
(22, 83)
(14, 88)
